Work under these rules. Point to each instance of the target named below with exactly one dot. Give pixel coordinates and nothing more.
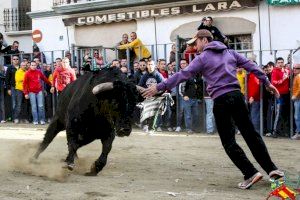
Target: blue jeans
(19, 99)
(255, 115)
(191, 112)
(37, 106)
(180, 112)
(210, 119)
(297, 114)
(165, 120)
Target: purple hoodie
(218, 66)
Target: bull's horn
(103, 87)
(140, 89)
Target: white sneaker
(35, 123)
(159, 129)
(296, 137)
(42, 123)
(3, 121)
(178, 129)
(16, 121)
(146, 128)
(170, 129)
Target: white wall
(41, 5)
(52, 28)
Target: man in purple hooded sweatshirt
(218, 66)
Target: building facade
(251, 25)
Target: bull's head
(125, 105)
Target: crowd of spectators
(30, 87)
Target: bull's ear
(140, 89)
(103, 87)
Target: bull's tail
(53, 129)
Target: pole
(177, 69)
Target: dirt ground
(160, 167)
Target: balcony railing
(67, 2)
(16, 19)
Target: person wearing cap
(217, 34)
(218, 65)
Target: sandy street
(156, 167)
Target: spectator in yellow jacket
(141, 52)
(19, 78)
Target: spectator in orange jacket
(62, 76)
(254, 100)
(296, 99)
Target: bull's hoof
(91, 174)
(69, 166)
(93, 171)
(33, 160)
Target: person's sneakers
(159, 129)
(190, 132)
(35, 123)
(178, 129)
(42, 123)
(246, 184)
(274, 135)
(145, 128)
(296, 137)
(16, 121)
(170, 129)
(276, 174)
(3, 121)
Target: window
(240, 42)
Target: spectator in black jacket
(10, 80)
(10, 50)
(192, 92)
(207, 24)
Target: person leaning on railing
(139, 48)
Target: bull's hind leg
(53, 129)
(101, 161)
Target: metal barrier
(162, 51)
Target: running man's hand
(150, 91)
(52, 90)
(273, 90)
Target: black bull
(95, 106)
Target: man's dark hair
(209, 17)
(15, 42)
(114, 60)
(58, 59)
(271, 64)
(160, 60)
(279, 58)
(142, 60)
(183, 59)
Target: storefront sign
(161, 12)
(283, 2)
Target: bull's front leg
(101, 161)
(73, 146)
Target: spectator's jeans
(210, 120)
(37, 106)
(255, 115)
(281, 122)
(230, 109)
(19, 99)
(297, 114)
(268, 115)
(179, 116)
(13, 100)
(191, 112)
(165, 120)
